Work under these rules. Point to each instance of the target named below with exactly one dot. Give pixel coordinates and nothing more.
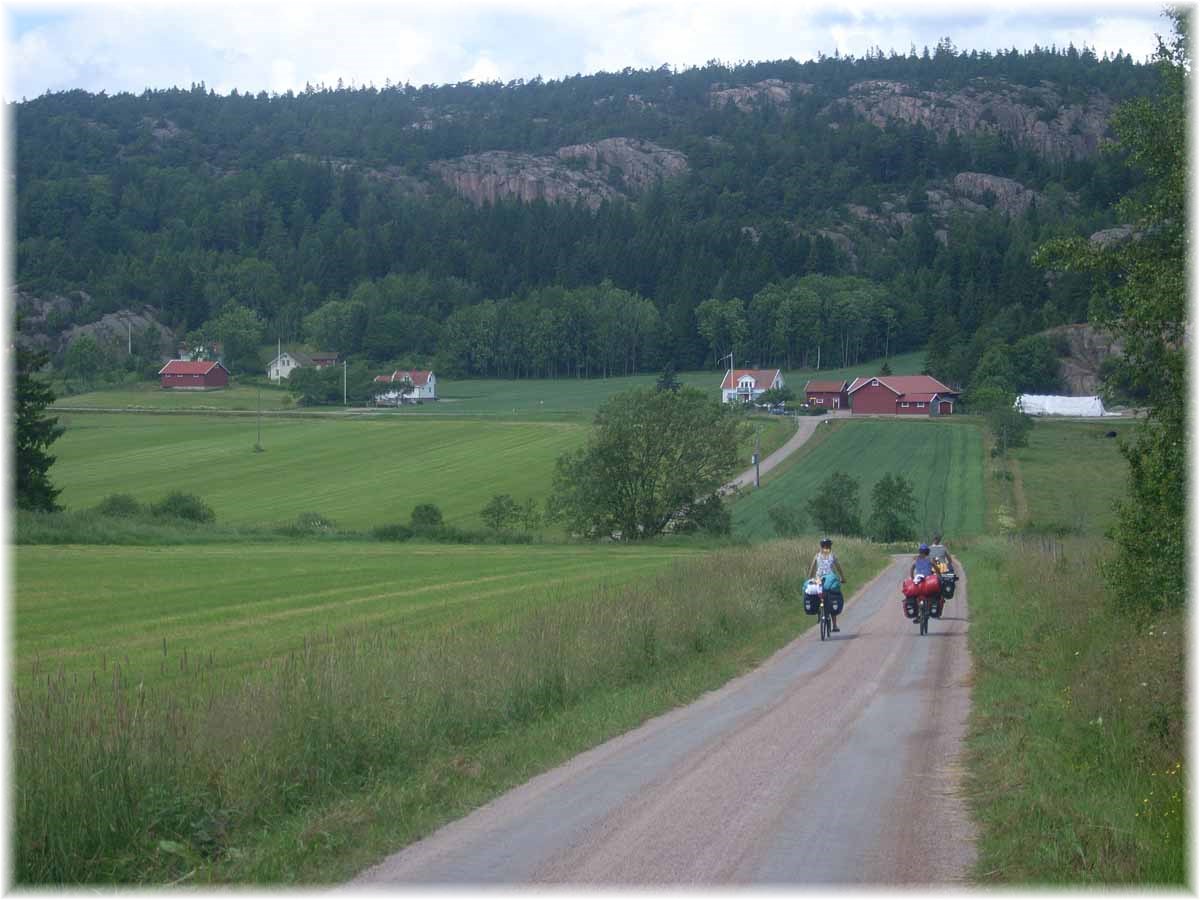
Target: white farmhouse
(747, 385)
(288, 361)
(394, 389)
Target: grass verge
(1076, 741)
(272, 777)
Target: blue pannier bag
(830, 581)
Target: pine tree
(34, 433)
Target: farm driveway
(835, 763)
(806, 428)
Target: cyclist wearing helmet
(922, 565)
(823, 563)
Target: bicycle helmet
(826, 542)
(924, 548)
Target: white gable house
(288, 361)
(747, 385)
(405, 386)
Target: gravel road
(835, 763)
(805, 428)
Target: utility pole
(757, 436)
(258, 444)
(344, 383)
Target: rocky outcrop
(44, 323)
(772, 90)
(1036, 118)
(1109, 236)
(992, 190)
(583, 173)
(1087, 349)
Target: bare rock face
(43, 318)
(1110, 236)
(772, 90)
(1011, 196)
(1087, 349)
(583, 173)
(1034, 117)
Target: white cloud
(273, 46)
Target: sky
(262, 45)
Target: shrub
(178, 505)
(396, 532)
(426, 515)
(122, 505)
(311, 523)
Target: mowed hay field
(1070, 475)
(164, 614)
(943, 460)
(357, 472)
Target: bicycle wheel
(924, 614)
(824, 623)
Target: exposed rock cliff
(1011, 196)
(1033, 117)
(773, 90)
(581, 173)
(1087, 349)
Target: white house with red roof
(902, 395)
(193, 375)
(747, 385)
(405, 386)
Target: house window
(821, 400)
(904, 404)
(920, 404)
(874, 382)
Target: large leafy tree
(834, 507)
(1141, 296)
(653, 458)
(35, 432)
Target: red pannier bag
(929, 587)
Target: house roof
(302, 359)
(189, 367)
(762, 378)
(905, 385)
(827, 387)
(323, 355)
(419, 377)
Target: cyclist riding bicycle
(824, 563)
(922, 565)
(942, 560)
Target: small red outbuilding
(194, 375)
(829, 394)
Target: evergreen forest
(801, 232)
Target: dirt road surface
(834, 763)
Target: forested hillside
(598, 224)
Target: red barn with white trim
(193, 375)
(901, 395)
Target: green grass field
(558, 398)
(1070, 475)
(148, 395)
(942, 460)
(360, 473)
(82, 609)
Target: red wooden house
(901, 395)
(829, 394)
(194, 375)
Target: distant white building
(394, 389)
(288, 361)
(747, 385)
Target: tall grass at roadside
(123, 783)
(1076, 740)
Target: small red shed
(901, 395)
(193, 375)
(829, 394)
